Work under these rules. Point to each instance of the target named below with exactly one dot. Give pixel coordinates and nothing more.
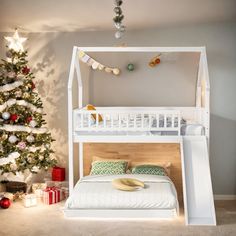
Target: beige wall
(50, 55)
(171, 83)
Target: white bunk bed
(149, 125)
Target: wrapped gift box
(30, 200)
(52, 195)
(65, 192)
(58, 184)
(58, 174)
(37, 189)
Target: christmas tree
(25, 144)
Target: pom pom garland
(96, 65)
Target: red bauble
(13, 117)
(25, 70)
(5, 202)
(32, 86)
(28, 119)
(157, 61)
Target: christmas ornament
(13, 166)
(130, 67)
(118, 2)
(12, 139)
(118, 19)
(32, 86)
(11, 75)
(6, 115)
(30, 159)
(13, 117)
(30, 138)
(25, 70)
(154, 61)
(26, 95)
(118, 34)
(28, 119)
(32, 123)
(3, 137)
(5, 203)
(21, 145)
(15, 42)
(18, 93)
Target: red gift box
(58, 174)
(52, 195)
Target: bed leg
(71, 166)
(81, 161)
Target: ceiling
(91, 15)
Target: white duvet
(97, 192)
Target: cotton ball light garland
(12, 139)
(95, 65)
(108, 69)
(5, 115)
(116, 71)
(100, 67)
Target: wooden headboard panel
(159, 152)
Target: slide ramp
(199, 201)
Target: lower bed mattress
(97, 192)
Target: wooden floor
(49, 220)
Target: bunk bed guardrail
(123, 120)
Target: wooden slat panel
(144, 152)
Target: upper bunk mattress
(97, 192)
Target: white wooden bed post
(203, 92)
(80, 105)
(74, 67)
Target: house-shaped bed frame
(197, 188)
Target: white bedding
(97, 192)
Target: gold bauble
(26, 95)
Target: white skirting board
(199, 202)
(225, 197)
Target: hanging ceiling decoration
(118, 19)
(155, 61)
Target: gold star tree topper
(16, 42)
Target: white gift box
(30, 200)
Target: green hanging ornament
(130, 67)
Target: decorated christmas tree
(25, 144)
